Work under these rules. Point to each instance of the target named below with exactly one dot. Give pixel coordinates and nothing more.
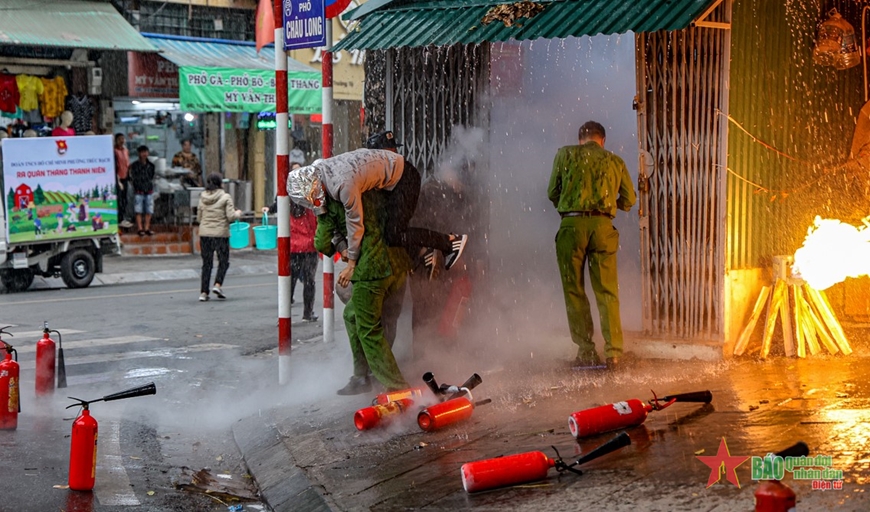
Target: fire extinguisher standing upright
(45, 363)
(83, 442)
(83, 452)
(10, 398)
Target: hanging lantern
(836, 44)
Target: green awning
(68, 24)
(398, 23)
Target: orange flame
(833, 251)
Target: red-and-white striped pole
(282, 168)
(328, 263)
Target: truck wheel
(17, 280)
(77, 268)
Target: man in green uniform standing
(379, 275)
(587, 185)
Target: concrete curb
(283, 486)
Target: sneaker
(451, 258)
(126, 224)
(217, 291)
(356, 386)
(203, 297)
(310, 318)
(429, 263)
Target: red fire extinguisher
(45, 363)
(775, 496)
(455, 308)
(10, 398)
(395, 396)
(83, 451)
(629, 413)
(83, 443)
(377, 415)
(447, 413)
(527, 467)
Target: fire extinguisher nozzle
(799, 449)
(429, 379)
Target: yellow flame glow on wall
(833, 251)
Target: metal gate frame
(682, 92)
(431, 89)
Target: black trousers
(303, 267)
(210, 245)
(122, 199)
(401, 204)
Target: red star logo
(723, 461)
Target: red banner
(150, 76)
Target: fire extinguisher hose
(620, 441)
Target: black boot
(356, 386)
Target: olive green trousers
(593, 241)
(363, 319)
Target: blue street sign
(304, 22)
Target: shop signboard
(59, 187)
(150, 76)
(304, 22)
(246, 90)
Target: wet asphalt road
(211, 365)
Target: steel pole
(328, 263)
(282, 168)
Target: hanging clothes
(9, 95)
(83, 113)
(29, 88)
(53, 94)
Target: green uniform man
(380, 274)
(588, 184)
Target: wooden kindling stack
(808, 322)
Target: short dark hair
(141, 149)
(119, 134)
(213, 181)
(591, 129)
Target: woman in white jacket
(215, 213)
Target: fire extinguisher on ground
(83, 444)
(522, 468)
(10, 398)
(775, 496)
(629, 413)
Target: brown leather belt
(593, 213)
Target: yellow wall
(347, 70)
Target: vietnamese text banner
(246, 90)
(59, 187)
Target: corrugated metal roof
(210, 53)
(445, 22)
(68, 24)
